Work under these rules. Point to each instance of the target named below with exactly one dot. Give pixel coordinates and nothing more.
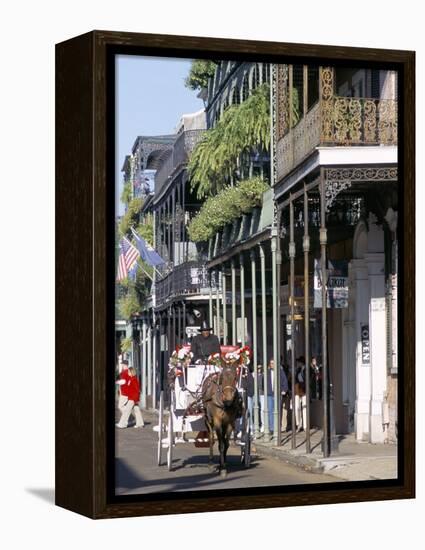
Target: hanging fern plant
(241, 129)
(225, 207)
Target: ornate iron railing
(338, 121)
(354, 120)
(182, 148)
(183, 280)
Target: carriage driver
(204, 344)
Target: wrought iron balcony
(186, 279)
(182, 148)
(338, 121)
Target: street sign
(336, 284)
(192, 331)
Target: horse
(222, 405)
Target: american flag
(127, 258)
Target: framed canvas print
(235, 274)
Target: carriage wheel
(170, 436)
(160, 425)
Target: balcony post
(177, 235)
(223, 301)
(305, 102)
(169, 229)
(149, 357)
(163, 234)
(278, 324)
(210, 300)
(217, 302)
(276, 373)
(160, 356)
(291, 302)
(325, 379)
(173, 226)
(242, 285)
(154, 359)
(179, 325)
(254, 346)
(173, 309)
(264, 323)
(184, 322)
(306, 248)
(234, 336)
(326, 92)
(143, 380)
(183, 219)
(290, 113)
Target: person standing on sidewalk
(132, 404)
(260, 381)
(122, 383)
(285, 399)
(300, 396)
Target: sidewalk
(353, 461)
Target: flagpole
(146, 273)
(138, 237)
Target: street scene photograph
(256, 246)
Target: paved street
(137, 471)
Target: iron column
(264, 322)
(154, 360)
(234, 336)
(143, 378)
(325, 384)
(242, 285)
(306, 248)
(210, 301)
(254, 345)
(149, 358)
(278, 267)
(276, 372)
(217, 301)
(291, 299)
(223, 300)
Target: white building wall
(368, 276)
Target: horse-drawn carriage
(207, 401)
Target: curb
(301, 461)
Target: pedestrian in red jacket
(122, 383)
(131, 388)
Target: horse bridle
(221, 390)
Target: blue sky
(150, 98)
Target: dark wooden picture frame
(84, 291)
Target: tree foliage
(126, 344)
(242, 128)
(200, 72)
(145, 229)
(225, 207)
(126, 193)
(129, 305)
(131, 216)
